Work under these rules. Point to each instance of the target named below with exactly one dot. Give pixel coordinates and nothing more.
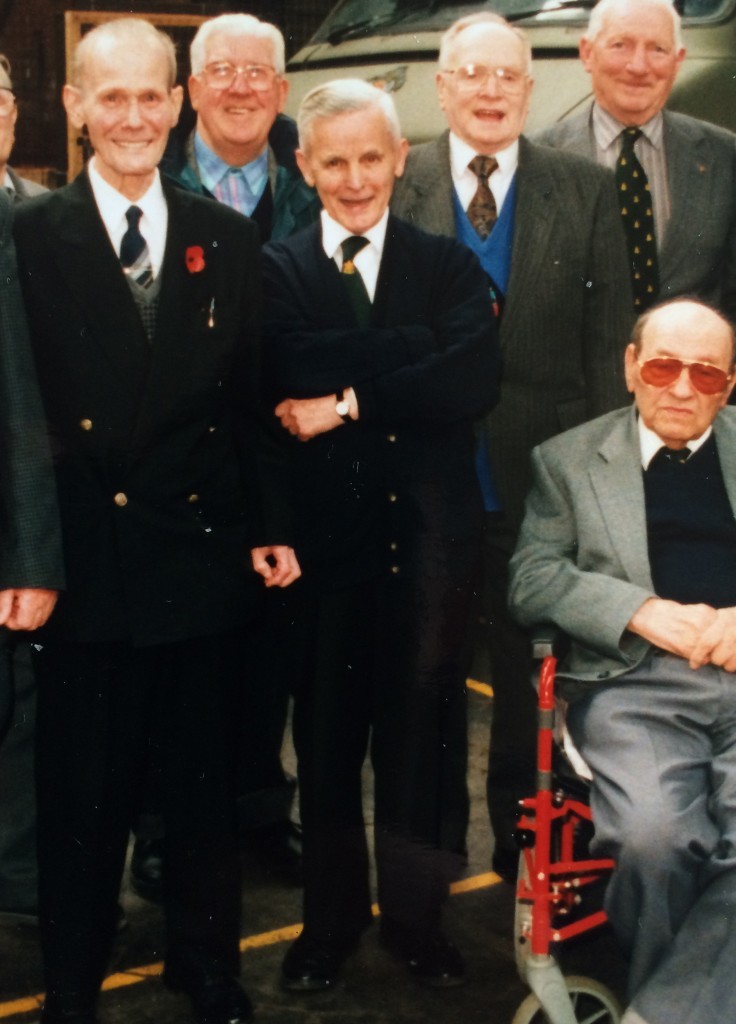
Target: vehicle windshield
(353, 19)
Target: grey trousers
(661, 743)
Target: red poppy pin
(195, 259)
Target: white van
(395, 43)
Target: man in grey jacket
(629, 546)
(633, 51)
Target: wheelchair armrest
(548, 640)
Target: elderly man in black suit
(143, 311)
(547, 231)
(686, 240)
(380, 345)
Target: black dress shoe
(217, 997)
(278, 849)
(430, 958)
(312, 964)
(147, 869)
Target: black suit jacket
(149, 440)
(30, 542)
(397, 490)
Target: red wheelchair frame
(553, 884)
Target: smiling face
(678, 413)
(235, 122)
(129, 109)
(352, 160)
(633, 61)
(487, 118)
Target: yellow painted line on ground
(484, 688)
(32, 1004)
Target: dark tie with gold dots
(635, 204)
(354, 283)
(482, 212)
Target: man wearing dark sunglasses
(629, 546)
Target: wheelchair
(559, 887)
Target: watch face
(342, 408)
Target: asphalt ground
(374, 989)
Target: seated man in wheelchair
(629, 546)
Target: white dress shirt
(368, 260)
(113, 206)
(650, 443)
(466, 182)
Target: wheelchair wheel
(592, 1002)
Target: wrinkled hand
(307, 417)
(677, 628)
(717, 644)
(26, 607)
(282, 568)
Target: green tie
(635, 204)
(354, 283)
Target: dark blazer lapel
(618, 484)
(689, 167)
(393, 280)
(322, 279)
(429, 187)
(533, 222)
(92, 272)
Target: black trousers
(105, 712)
(384, 671)
(512, 756)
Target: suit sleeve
(30, 538)
(548, 586)
(609, 310)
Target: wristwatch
(342, 407)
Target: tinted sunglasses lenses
(709, 380)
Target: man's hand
(307, 417)
(677, 628)
(717, 644)
(277, 565)
(26, 608)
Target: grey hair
(481, 18)
(343, 96)
(235, 26)
(128, 31)
(603, 7)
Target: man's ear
(304, 166)
(630, 366)
(71, 97)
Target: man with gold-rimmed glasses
(548, 234)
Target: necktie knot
(671, 456)
(628, 138)
(133, 216)
(483, 166)
(350, 249)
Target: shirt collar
(461, 154)
(650, 442)
(607, 128)
(334, 234)
(113, 205)
(212, 168)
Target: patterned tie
(482, 211)
(134, 255)
(635, 203)
(354, 283)
(669, 457)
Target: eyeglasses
(7, 101)
(472, 77)
(665, 370)
(222, 74)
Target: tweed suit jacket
(582, 560)
(698, 254)
(149, 440)
(30, 540)
(568, 309)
